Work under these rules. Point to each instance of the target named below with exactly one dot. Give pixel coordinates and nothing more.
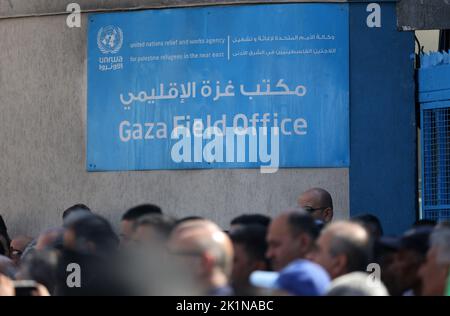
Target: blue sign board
(177, 88)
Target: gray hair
(352, 240)
(357, 284)
(440, 238)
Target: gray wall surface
(42, 146)
(43, 7)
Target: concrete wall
(43, 136)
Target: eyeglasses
(310, 209)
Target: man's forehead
(279, 223)
(126, 225)
(126, 222)
(308, 198)
(181, 243)
(279, 231)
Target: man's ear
(208, 262)
(304, 243)
(339, 266)
(328, 214)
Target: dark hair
(253, 239)
(188, 218)
(424, 222)
(99, 275)
(2, 249)
(161, 223)
(302, 222)
(248, 219)
(41, 266)
(145, 209)
(75, 208)
(94, 229)
(5, 241)
(2, 225)
(371, 223)
(4, 233)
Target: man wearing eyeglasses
(318, 203)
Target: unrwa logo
(110, 39)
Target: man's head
(249, 244)
(318, 203)
(371, 223)
(152, 229)
(91, 234)
(51, 238)
(42, 267)
(250, 219)
(132, 215)
(206, 250)
(75, 209)
(291, 236)
(18, 245)
(411, 250)
(384, 254)
(341, 248)
(435, 270)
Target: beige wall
(429, 39)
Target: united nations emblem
(110, 39)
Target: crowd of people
(300, 251)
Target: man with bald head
(291, 236)
(208, 252)
(341, 248)
(318, 203)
